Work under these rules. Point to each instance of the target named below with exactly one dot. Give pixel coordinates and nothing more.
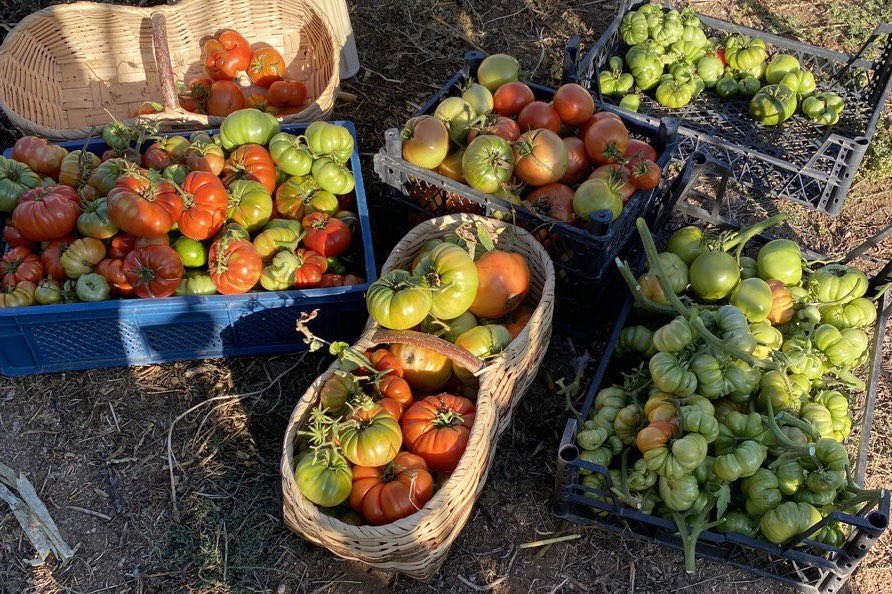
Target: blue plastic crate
(67, 337)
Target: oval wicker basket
(418, 545)
(63, 69)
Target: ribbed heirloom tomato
(266, 67)
(153, 271)
(46, 213)
(253, 163)
(424, 369)
(226, 55)
(112, 269)
(19, 264)
(371, 438)
(385, 494)
(39, 155)
(235, 265)
(144, 207)
(325, 234)
(204, 205)
(438, 429)
(250, 205)
(310, 268)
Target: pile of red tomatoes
(250, 208)
(557, 158)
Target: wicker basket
(63, 69)
(417, 545)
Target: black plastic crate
(799, 161)
(583, 258)
(804, 564)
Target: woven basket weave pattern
(62, 67)
(417, 546)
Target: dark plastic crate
(583, 258)
(804, 564)
(118, 332)
(799, 161)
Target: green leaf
(336, 348)
(485, 237)
(723, 498)
(315, 344)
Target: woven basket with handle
(63, 69)
(417, 545)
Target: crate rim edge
(277, 298)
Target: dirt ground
(95, 443)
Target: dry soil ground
(94, 443)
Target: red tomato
(51, 256)
(43, 158)
(338, 280)
(553, 200)
(144, 207)
(540, 157)
(578, 163)
(638, 149)
(153, 271)
(235, 265)
(204, 205)
(498, 126)
(142, 242)
(385, 494)
(47, 212)
(326, 235)
(287, 93)
(120, 245)
(539, 114)
(574, 104)
(606, 140)
(195, 97)
(19, 264)
(226, 55)
(225, 97)
(645, 175)
(251, 162)
(147, 108)
(519, 319)
(165, 151)
(14, 238)
(511, 97)
(384, 360)
(618, 180)
(260, 102)
(266, 67)
(393, 387)
(310, 269)
(503, 284)
(580, 133)
(438, 429)
(112, 269)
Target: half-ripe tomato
(385, 494)
(20, 295)
(250, 205)
(655, 435)
(519, 319)
(260, 102)
(618, 179)
(144, 207)
(497, 126)
(250, 162)
(781, 303)
(325, 234)
(384, 360)
(76, 168)
(595, 195)
(511, 97)
(120, 245)
(153, 271)
(205, 156)
(46, 212)
(398, 300)
(51, 258)
(112, 269)
(266, 67)
(165, 152)
(310, 268)
(645, 175)
(19, 264)
(606, 141)
(539, 114)
(638, 149)
(452, 276)
(39, 155)
(580, 132)
(371, 437)
(540, 157)
(392, 387)
(451, 166)
(235, 265)
(578, 163)
(554, 201)
(574, 104)
(438, 429)
(13, 238)
(488, 163)
(226, 55)
(300, 195)
(287, 93)
(425, 141)
(425, 370)
(503, 284)
(483, 342)
(205, 202)
(224, 98)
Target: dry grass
(97, 441)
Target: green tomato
(686, 243)
(674, 94)
(291, 154)
(679, 494)
(117, 135)
(745, 53)
(689, 50)
(92, 287)
(748, 86)
(398, 300)
(737, 522)
(788, 520)
(741, 379)
(324, 478)
(452, 275)
(779, 66)
(15, 179)
(194, 254)
(753, 297)
(801, 82)
(646, 66)
(250, 205)
(857, 313)
(94, 220)
(488, 163)
(615, 83)
(726, 87)
(773, 105)
(823, 108)
(710, 69)
(766, 336)
(329, 140)
(671, 376)
(176, 173)
(762, 492)
(780, 259)
(838, 283)
(742, 461)
(757, 72)
(195, 283)
(790, 476)
(332, 176)
(458, 116)
(632, 102)
(674, 336)
(272, 240)
(781, 391)
(335, 266)
(714, 275)
(679, 459)
(636, 340)
(814, 498)
(801, 358)
(634, 28)
(710, 377)
(666, 30)
(449, 330)
(696, 421)
(843, 348)
(748, 267)
(286, 223)
(482, 342)
(819, 417)
(48, 291)
(496, 70)
(675, 269)
(479, 98)
(247, 126)
(278, 273)
(735, 426)
(594, 195)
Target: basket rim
(176, 116)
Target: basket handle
(430, 342)
(161, 51)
